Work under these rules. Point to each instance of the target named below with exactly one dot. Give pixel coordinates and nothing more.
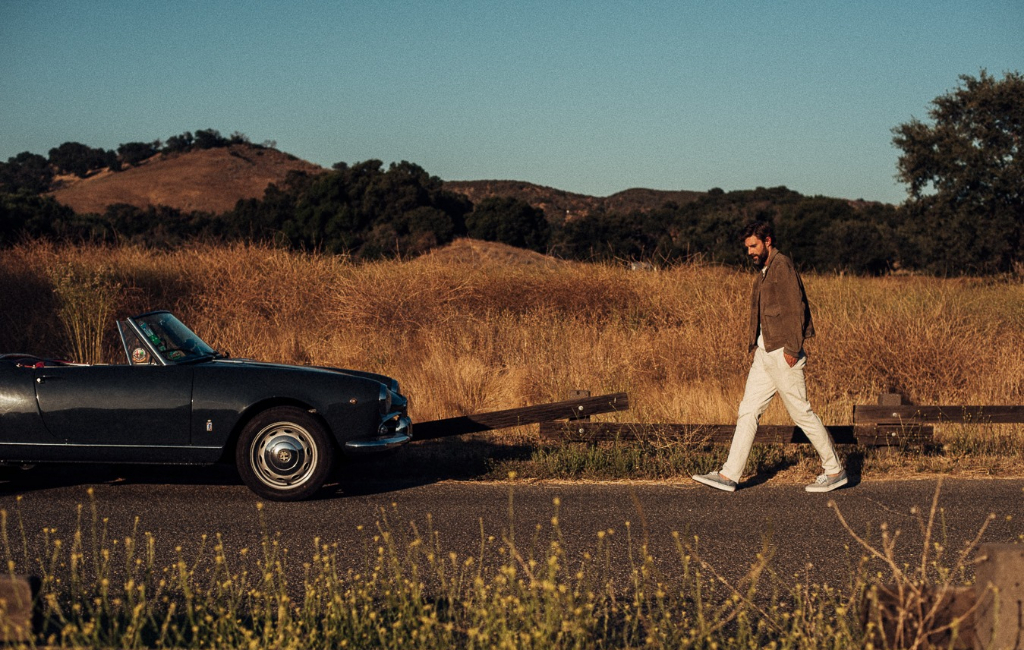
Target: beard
(759, 260)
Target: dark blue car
(179, 401)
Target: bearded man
(780, 321)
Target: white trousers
(770, 374)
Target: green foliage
(79, 159)
(31, 215)
(363, 210)
(509, 221)
(857, 245)
(819, 233)
(133, 153)
(965, 177)
(205, 139)
(210, 139)
(606, 236)
(158, 226)
(26, 172)
(179, 143)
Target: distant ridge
(213, 180)
(560, 206)
(205, 180)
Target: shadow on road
(412, 466)
(50, 476)
(854, 463)
(768, 473)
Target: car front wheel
(284, 454)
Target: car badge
(209, 425)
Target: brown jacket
(778, 303)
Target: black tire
(284, 454)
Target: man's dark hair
(763, 230)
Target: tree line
(964, 213)
(35, 173)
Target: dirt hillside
(479, 253)
(208, 180)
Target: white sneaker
(715, 480)
(826, 483)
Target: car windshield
(171, 339)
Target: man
(780, 321)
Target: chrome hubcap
(283, 455)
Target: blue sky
(590, 97)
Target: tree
(27, 172)
(965, 176)
(79, 159)
(133, 153)
(511, 221)
(179, 143)
(28, 215)
(209, 139)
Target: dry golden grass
(471, 336)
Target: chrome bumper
(396, 430)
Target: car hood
(249, 363)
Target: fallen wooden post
(999, 580)
(18, 615)
(921, 616)
(575, 409)
(987, 616)
(869, 436)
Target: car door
(20, 423)
(117, 406)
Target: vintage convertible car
(179, 401)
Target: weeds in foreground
(913, 609)
(409, 591)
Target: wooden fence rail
(890, 423)
(867, 436)
(574, 409)
(912, 414)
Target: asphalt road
(179, 505)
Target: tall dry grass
(471, 337)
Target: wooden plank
(872, 436)
(890, 435)
(19, 619)
(875, 414)
(999, 576)
(570, 409)
(890, 399)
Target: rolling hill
(206, 180)
(560, 206)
